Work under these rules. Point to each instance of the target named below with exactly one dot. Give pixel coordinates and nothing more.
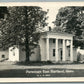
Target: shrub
(78, 57)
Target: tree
(71, 20)
(22, 26)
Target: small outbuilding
(17, 53)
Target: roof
(58, 33)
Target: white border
(58, 79)
(53, 79)
(41, 3)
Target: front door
(61, 54)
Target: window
(61, 41)
(53, 52)
(13, 53)
(69, 52)
(53, 40)
(3, 56)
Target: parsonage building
(53, 47)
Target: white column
(47, 49)
(71, 51)
(56, 51)
(64, 55)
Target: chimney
(49, 28)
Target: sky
(52, 6)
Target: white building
(56, 47)
(53, 47)
(17, 53)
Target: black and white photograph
(42, 40)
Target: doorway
(60, 54)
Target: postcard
(42, 42)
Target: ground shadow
(42, 63)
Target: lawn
(9, 69)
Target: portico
(59, 50)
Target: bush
(78, 57)
(49, 62)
